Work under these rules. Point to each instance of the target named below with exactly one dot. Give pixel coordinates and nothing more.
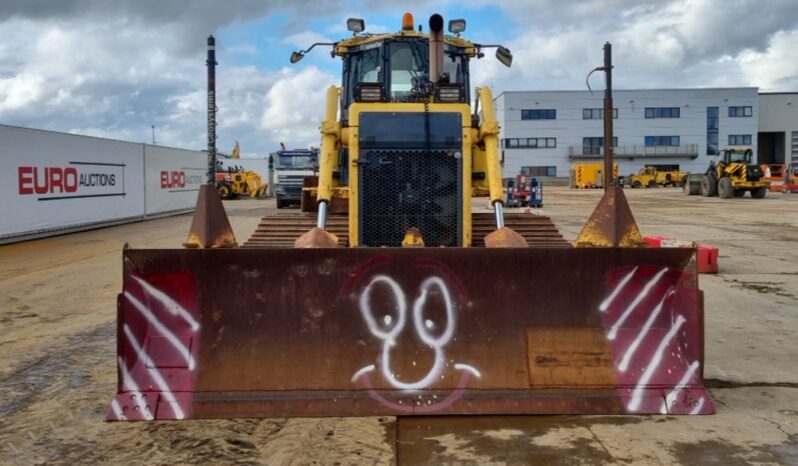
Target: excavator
(395, 297)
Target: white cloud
(20, 91)
(655, 44)
(295, 106)
(83, 66)
(776, 68)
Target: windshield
(399, 65)
(740, 156)
(407, 62)
(296, 161)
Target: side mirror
(296, 56)
(503, 55)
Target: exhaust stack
(435, 47)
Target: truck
(290, 169)
(651, 177)
(588, 175)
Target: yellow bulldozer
(408, 301)
(733, 176)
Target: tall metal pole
(608, 118)
(211, 64)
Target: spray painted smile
(386, 328)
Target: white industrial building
(544, 132)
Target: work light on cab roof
(366, 40)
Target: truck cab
(290, 168)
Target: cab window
(407, 61)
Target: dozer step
(280, 230)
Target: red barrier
(656, 241)
(707, 259)
(706, 256)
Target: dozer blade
(226, 333)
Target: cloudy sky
(115, 68)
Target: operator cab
(737, 155)
(397, 70)
(395, 67)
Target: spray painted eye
(424, 326)
(385, 294)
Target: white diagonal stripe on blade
(698, 407)
(171, 337)
(637, 394)
(606, 303)
(171, 305)
(671, 398)
(117, 410)
(159, 380)
(614, 330)
(639, 339)
(127, 381)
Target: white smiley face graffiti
(386, 328)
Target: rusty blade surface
(373, 331)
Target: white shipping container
(54, 181)
(172, 178)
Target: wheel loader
(733, 176)
(236, 181)
(405, 300)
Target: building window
(539, 171)
(530, 143)
(662, 112)
(543, 114)
(713, 120)
(741, 111)
(597, 113)
(739, 139)
(594, 145)
(662, 140)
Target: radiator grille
(409, 188)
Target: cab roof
(342, 47)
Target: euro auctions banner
(172, 178)
(54, 180)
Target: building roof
(600, 90)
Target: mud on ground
(58, 373)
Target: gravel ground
(57, 370)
